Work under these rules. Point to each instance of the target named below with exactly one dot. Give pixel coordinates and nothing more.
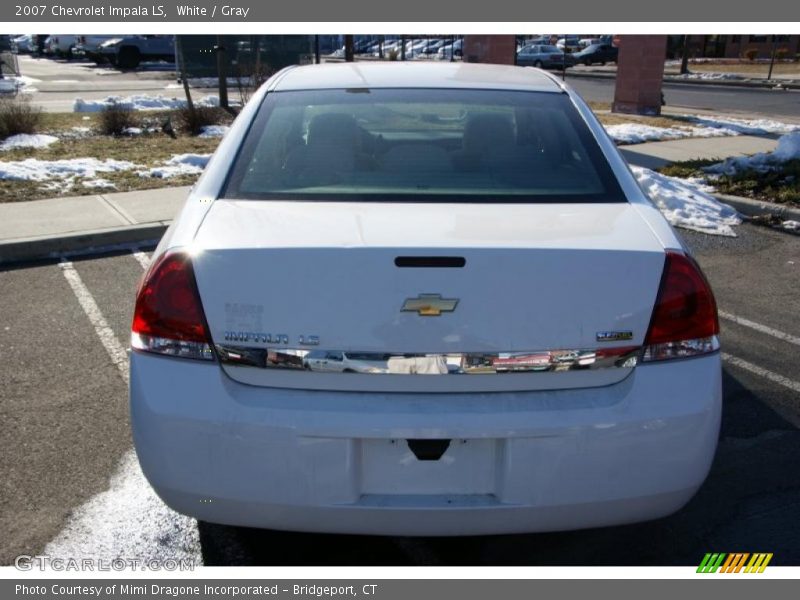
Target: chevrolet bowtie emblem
(429, 305)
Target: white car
(23, 44)
(445, 216)
(344, 362)
(61, 45)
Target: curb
(54, 246)
(712, 82)
(759, 208)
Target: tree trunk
(222, 73)
(349, 55)
(184, 75)
(685, 56)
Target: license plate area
(390, 467)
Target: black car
(596, 53)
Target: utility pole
(402, 47)
(772, 60)
(316, 49)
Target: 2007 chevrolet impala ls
(413, 299)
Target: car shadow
(748, 504)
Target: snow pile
(636, 133)
(25, 140)
(140, 102)
(127, 521)
(685, 203)
(710, 76)
(791, 225)
(33, 169)
(213, 131)
(18, 84)
(179, 164)
(98, 183)
(743, 126)
(212, 82)
(788, 149)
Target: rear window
(421, 145)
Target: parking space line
(761, 372)
(142, 257)
(114, 348)
(776, 333)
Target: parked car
(128, 52)
(60, 45)
(544, 57)
(23, 44)
(344, 362)
(87, 46)
(569, 44)
(454, 215)
(596, 53)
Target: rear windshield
(421, 145)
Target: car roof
(395, 74)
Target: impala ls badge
(614, 336)
(429, 305)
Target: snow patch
(788, 149)
(98, 183)
(24, 140)
(179, 164)
(791, 225)
(685, 203)
(18, 84)
(140, 102)
(636, 133)
(743, 126)
(714, 76)
(213, 131)
(33, 169)
(127, 521)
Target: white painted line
(128, 519)
(116, 351)
(761, 372)
(142, 257)
(776, 333)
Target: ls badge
(614, 336)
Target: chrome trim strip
(471, 363)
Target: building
(735, 46)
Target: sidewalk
(48, 228)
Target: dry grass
(595, 106)
(781, 185)
(662, 121)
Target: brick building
(734, 46)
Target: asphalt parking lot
(70, 485)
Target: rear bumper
(338, 462)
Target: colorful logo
(735, 563)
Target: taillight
(169, 318)
(684, 321)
